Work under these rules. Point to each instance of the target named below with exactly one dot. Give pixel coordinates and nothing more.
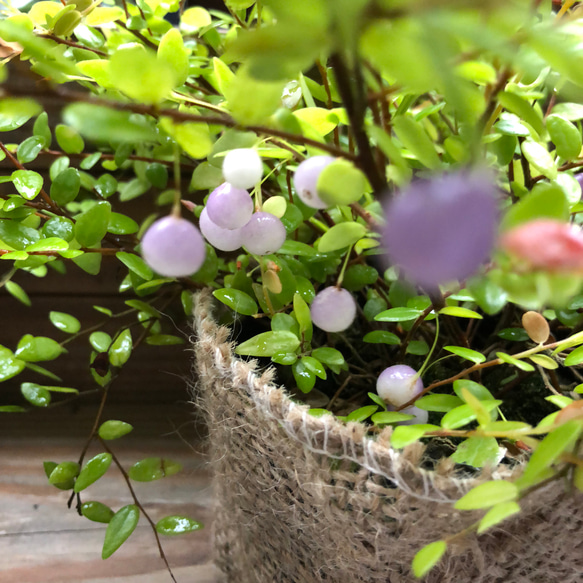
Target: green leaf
(341, 183)
(361, 414)
(464, 414)
(12, 409)
(237, 300)
(329, 356)
(515, 362)
(268, 343)
(14, 113)
(488, 494)
(137, 72)
(539, 158)
(472, 355)
(415, 139)
(404, 435)
(543, 201)
(90, 161)
(173, 54)
(460, 312)
(476, 451)
(304, 318)
(515, 334)
(65, 186)
(35, 394)
(153, 468)
(91, 226)
(428, 557)
(120, 527)
(28, 183)
(94, 469)
(16, 291)
(29, 149)
(136, 264)
(303, 376)
(38, 348)
(565, 136)
(549, 449)
(60, 227)
(382, 337)
(476, 389)
(196, 17)
(157, 174)
(194, 138)
(388, 417)
(175, 525)
(497, 514)
(17, 235)
(398, 315)
(164, 340)
(48, 244)
(114, 429)
(320, 119)
(121, 349)
(575, 357)
(545, 361)
(341, 236)
(100, 123)
(65, 322)
(100, 341)
(519, 106)
(64, 473)
(438, 403)
(291, 247)
(97, 512)
(69, 139)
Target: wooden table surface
(41, 541)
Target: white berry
(243, 167)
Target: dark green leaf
(30, 149)
(69, 139)
(38, 348)
(97, 512)
(382, 337)
(136, 264)
(65, 186)
(237, 300)
(268, 343)
(91, 226)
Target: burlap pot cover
(303, 499)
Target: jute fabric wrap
(303, 499)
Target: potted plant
(385, 205)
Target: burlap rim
(327, 435)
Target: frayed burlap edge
(302, 499)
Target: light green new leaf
(476, 451)
(515, 362)
(488, 494)
(137, 72)
(38, 348)
(120, 527)
(173, 54)
(473, 355)
(415, 139)
(136, 264)
(539, 158)
(341, 183)
(497, 514)
(17, 292)
(341, 236)
(398, 315)
(35, 394)
(428, 557)
(460, 312)
(114, 429)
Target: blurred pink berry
(546, 244)
(444, 228)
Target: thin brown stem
(70, 43)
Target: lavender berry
(333, 309)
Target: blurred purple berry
(442, 229)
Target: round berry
(263, 234)
(333, 309)
(398, 384)
(222, 239)
(243, 167)
(229, 207)
(421, 416)
(173, 247)
(306, 178)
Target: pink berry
(333, 309)
(173, 247)
(398, 384)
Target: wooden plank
(44, 542)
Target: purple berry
(398, 384)
(222, 239)
(442, 229)
(173, 247)
(333, 309)
(243, 167)
(263, 234)
(306, 178)
(229, 207)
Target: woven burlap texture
(303, 499)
